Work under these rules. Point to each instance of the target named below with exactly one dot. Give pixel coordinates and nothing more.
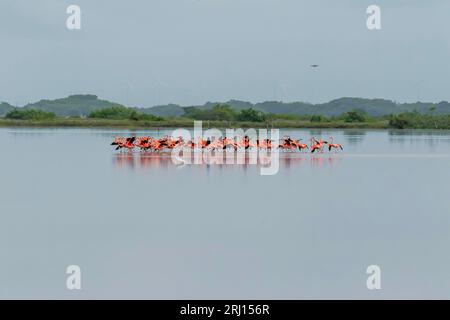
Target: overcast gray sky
(149, 52)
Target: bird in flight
(314, 65)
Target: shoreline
(374, 124)
(184, 123)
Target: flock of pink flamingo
(147, 143)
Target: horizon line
(221, 102)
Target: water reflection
(432, 141)
(316, 133)
(132, 160)
(354, 137)
(419, 133)
(319, 162)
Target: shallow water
(141, 227)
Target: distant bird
(314, 65)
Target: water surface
(141, 227)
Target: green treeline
(225, 114)
(29, 114)
(81, 105)
(122, 113)
(416, 120)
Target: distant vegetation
(82, 105)
(73, 106)
(415, 120)
(18, 114)
(119, 112)
(5, 108)
(218, 112)
(251, 115)
(340, 113)
(357, 115)
(226, 113)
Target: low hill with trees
(79, 105)
(5, 108)
(84, 105)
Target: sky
(152, 52)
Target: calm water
(140, 227)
